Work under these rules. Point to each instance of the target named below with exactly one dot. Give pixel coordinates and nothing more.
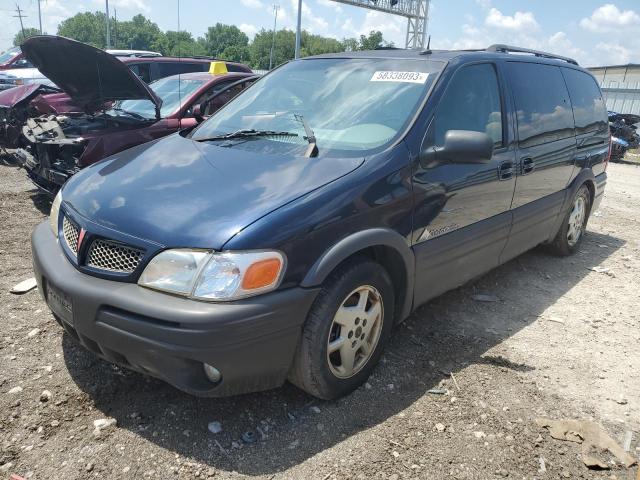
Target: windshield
(174, 92)
(9, 54)
(352, 105)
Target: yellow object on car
(218, 68)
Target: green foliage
(222, 41)
(139, 33)
(366, 42)
(86, 27)
(220, 37)
(284, 48)
(28, 32)
(178, 44)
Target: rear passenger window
(142, 71)
(471, 102)
(542, 103)
(589, 109)
(166, 69)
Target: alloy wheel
(355, 331)
(576, 220)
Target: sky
(595, 32)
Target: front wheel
(574, 225)
(346, 330)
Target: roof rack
(500, 48)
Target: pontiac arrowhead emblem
(80, 238)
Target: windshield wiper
(312, 149)
(247, 133)
(132, 114)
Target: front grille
(70, 232)
(113, 257)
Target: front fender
(359, 241)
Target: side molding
(359, 241)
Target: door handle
(505, 170)
(528, 165)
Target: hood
(12, 97)
(90, 76)
(181, 193)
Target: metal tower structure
(416, 12)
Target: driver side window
(471, 102)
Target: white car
(22, 76)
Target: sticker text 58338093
(405, 77)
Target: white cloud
(560, 44)
(251, 3)
(249, 29)
(608, 18)
(519, 21)
(138, 5)
(393, 28)
(313, 22)
(614, 53)
(330, 4)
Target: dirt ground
(561, 342)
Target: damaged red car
(113, 108)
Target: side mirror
(461, 146)
(198, 112)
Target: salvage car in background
(22, 76)
(117, 109)
(13, 58)
(624, 134)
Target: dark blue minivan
(285, 236)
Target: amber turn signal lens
(261, 274)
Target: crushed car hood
(14, 96)
(90, 76)
(181, 193)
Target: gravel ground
(561, 341)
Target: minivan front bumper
(251, 341)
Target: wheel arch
(387, 247)
(584, 177)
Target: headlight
(215, 276)
(55, 213)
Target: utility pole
(115, 27)
(108, 26)
(273, 41)
(20, 16)
(40, 16)
(298, 29)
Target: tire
(325, 375)
(574, 225)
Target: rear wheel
(573, 227)
(346, 330)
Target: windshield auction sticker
(404, 77)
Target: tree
(373, 40)
(219, 37)
(178, 44)
(317, 45)
(350, 44)
(284, 49)
(28, 32)
(139, 33)
(86, 27)
(366, 42)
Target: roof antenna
(429, 43)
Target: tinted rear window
(542, 103)
(589, 109)
(166, 69)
